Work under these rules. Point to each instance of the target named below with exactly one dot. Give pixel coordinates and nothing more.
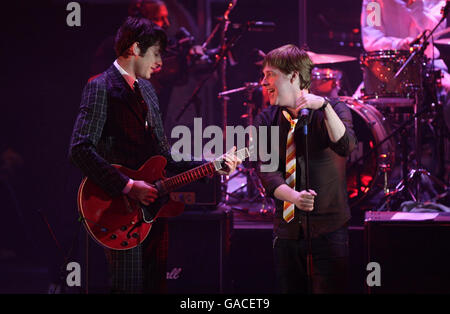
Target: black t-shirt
(327, 162)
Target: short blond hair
(290, 58)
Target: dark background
(47, 63)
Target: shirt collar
(130, 80)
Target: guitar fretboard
(199, 172)
(189, 176)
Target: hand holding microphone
(304, 200)
(308, 102)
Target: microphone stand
(415, 174)
(425, 43)
(309, 258)
(254, 186)
(220, 59)
(62, 270)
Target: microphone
(418, 38)
(260, 26)
(445, 9)
(304, 113)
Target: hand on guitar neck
(231, 161)
(120, 223)
(143, 192)
(147, 193)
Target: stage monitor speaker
(252, 268)
(199, 245)
(413, 255)
(357, 259)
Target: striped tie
(288, 208)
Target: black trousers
(143, 268)
(330, 263)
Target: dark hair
(142, 31)
(290, 58)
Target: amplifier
(411, 249)
(205, 192)
(199, 245)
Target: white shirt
(398, 21)
(125, 74)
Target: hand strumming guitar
(143, 192)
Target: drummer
(398, 24)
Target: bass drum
(371, 159)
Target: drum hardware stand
(415, 175)
(255, 190)
(375, 146)
(385, 167)
(220, 62)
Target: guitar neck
(190, 176)
(198, 173)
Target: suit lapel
(124, 91)
(154, 116)
(152, 102)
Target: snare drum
(367, 162)
(379, 69)
(326, 82)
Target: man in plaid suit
(119, 123)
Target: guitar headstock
(243, 153)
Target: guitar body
(121, 223)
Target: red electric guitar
(122, 223)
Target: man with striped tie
(330, 139)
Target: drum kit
(395, 111)
(398, 120)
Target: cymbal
(443, 41)
(327, 58)
(323, 58)
(442, 32)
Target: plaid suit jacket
(110, 129)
